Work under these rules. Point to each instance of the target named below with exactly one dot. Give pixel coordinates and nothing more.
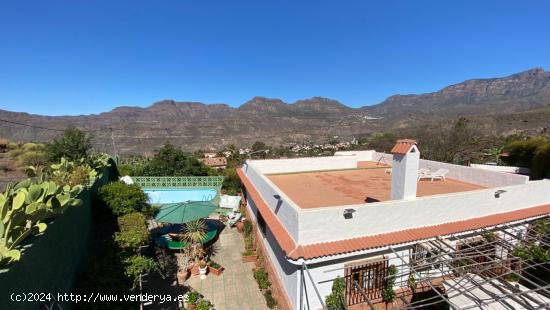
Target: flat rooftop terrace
(367, 183)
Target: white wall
(483, 177)
(328, 224)
(478, 176)
(271, 166)
(506, 169)
(284, 209)
(287, 272)
(361, 155)
(324, 273)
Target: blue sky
(80, 57)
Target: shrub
(203, 305)
(248, 252)
(336, 299)
(262, 278)
(541, 162)
(388, 294)
(123, 199)
(214, 265)
(137, 265)
(270, 301)
(32, 158)
(248, 243)
(247, 230)
(192, 297)
(533, 153)
(133, 231)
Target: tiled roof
(214, 161)
(316, 250)
(286, 242)
(402, 146)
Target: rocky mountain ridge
(194, 124)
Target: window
(261, 222)
(424, 257)
(365, 278)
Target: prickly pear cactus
(24, 207)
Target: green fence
(50, 262)
(210, 182)
(179, 182)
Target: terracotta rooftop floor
(368, 183)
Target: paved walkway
(235, 288)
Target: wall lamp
(348, 213)
(500, 191)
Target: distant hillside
(194, 125)
(515, 93)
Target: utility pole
(113, 140)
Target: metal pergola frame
(485, 261)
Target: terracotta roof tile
(316, 250)
(403, 146)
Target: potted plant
(193, 234)
(183, 270)
(240, 226)
(203, 268)
(214, 268)
(249, 256)
(203, 305)
(191, 299)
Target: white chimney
(404, 172)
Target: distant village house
(215, 162)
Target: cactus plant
(25, 206)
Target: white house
(354, 214)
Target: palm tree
(494, 153)
(194, 233)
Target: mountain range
(519, 103)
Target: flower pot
(195, 270)
(202, 271)
(215, 271)
(190, 306)
(182, 275)
(240, 226)
(250, 258)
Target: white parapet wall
(473, 175)
(361, 155)
(506, 169)
(482, 177)
(274, 166)
(284, 208)
(329, 224)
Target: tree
(231, 182)
(171, 161)
(259, 150)
(133, 232)
(73, 145)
